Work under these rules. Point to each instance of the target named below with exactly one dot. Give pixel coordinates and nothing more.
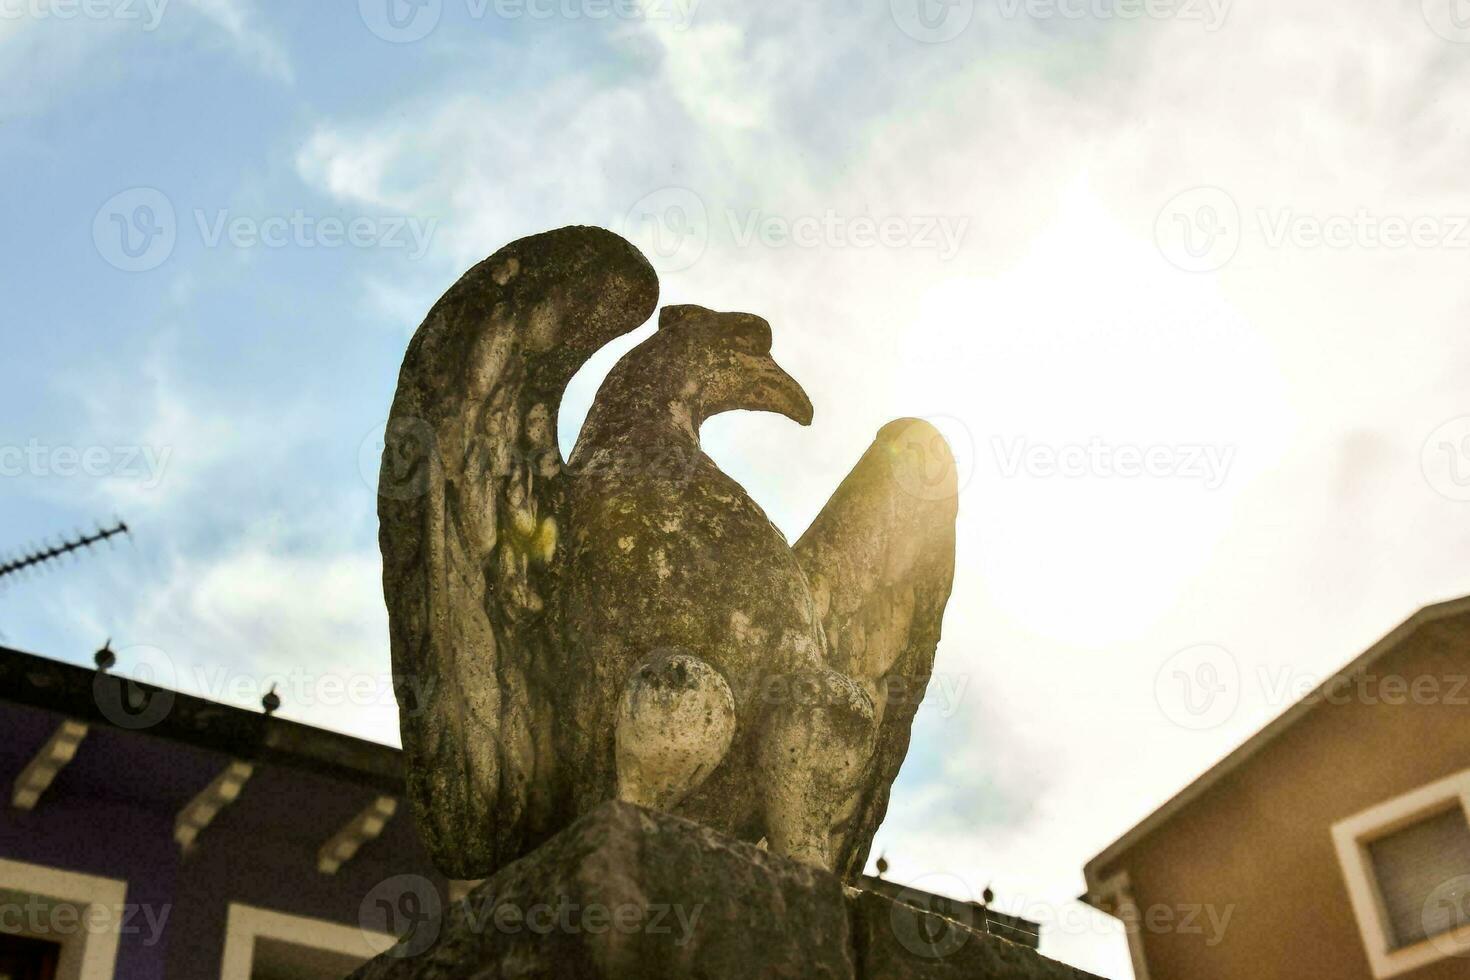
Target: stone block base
(628, 894)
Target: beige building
(1335, 844)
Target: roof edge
(1257, 742)
(77, 692)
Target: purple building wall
(111, 812)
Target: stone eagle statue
(628, 623)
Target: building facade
(1334, 844)
(149, 834)
(152, 835)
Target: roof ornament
(105, 657)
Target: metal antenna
(66, 547)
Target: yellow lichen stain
(527, 540)
(625, 543)
(543, 546)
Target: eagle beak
(770, 389)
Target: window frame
(86, 953)
(244, 924)
(1351, 838)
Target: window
(50, 905)
(264, 945)
(1411, 865)
(28, 959)
(1407, 867)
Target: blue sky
(1073, 237)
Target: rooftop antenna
(78, 543)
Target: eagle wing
(471, 511)
(880, 561)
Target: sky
(1182, 281)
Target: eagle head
(721, 362)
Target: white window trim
(1352, 837)
(246, 923)
(87, 953)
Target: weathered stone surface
(628, 624)
(638, 895)
(632, 894)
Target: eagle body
(660, 560)
(628, 623)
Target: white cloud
(229, 625)
(1059, 321)
(158, 440)
(48, 49)
(352, 169)
(239, 21)
(40, 57)
(715, 75)
(474, 162)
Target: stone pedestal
(628, 894)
